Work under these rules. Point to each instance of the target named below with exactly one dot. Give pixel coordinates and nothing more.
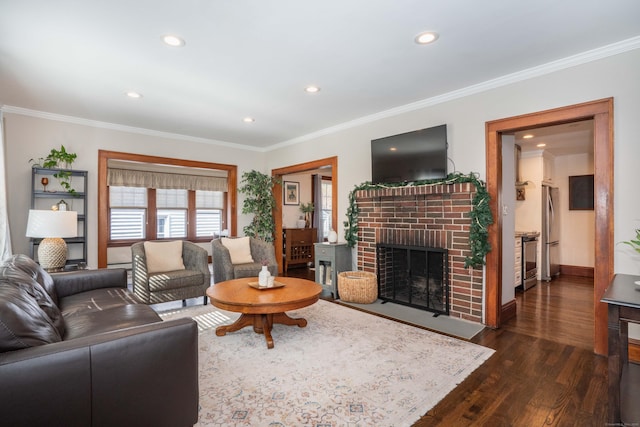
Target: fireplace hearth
(414, 276)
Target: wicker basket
(360, 287)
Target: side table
(331, 259)
(623, 299)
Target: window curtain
(5, 234)
(147, 179)
(317, 212)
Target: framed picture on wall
(581, 193)
(291, 193)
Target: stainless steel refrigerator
(550, 236)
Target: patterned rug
(345, 368)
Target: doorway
(330, 163)
(601, 112)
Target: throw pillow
(239, 249)
(163, 256)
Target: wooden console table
(623, 299)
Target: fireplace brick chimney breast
(435, 216)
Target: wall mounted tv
(411, 156)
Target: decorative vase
(301, 223)
(263, 276)
(332, 237)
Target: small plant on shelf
(634, 243)
(58, 159)
(307, 209)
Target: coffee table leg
(267, 323)
(241, 322)
(284, 319)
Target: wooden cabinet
(43, 197)
(331, 259)
(518, 259)
(298, 246)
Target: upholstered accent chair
(169, 271)
(247, 253)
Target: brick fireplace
(431, 216)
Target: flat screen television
(408, 157)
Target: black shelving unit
(44, 197)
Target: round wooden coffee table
(262, 308)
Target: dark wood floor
(544, 371)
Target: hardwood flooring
(544, 371)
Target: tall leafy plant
(259, 201)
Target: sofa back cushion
(22, 322)
(13, 271)
(35, 271)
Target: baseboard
(508, 311)
(575, 270)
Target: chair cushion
(163, 256)
(35, 271)
(175, 280)
(22, 322)
(239, 249)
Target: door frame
(329, 162)
(601, 111)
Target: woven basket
(360, 287)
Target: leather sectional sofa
(77, 349)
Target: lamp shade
(48, 223)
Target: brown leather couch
(76, 349)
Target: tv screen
(411, 156)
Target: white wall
(31, 137)
(465, 117)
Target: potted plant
(59, 159)
(260, 202)
(307, 209)
(634, 243)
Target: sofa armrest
(221, 262)
(146, 375)
(74, 282)
(196, 258)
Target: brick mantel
(430, 215)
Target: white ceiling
(254, 58)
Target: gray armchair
(154, 288)
(224, 269)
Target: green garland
(481, 216)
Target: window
(209, 206)
(128, 213)
(178, 214)
(171, 213)
(327, 206)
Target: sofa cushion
(112, 319)
(35, 271)
(22, 322)
(239, 249)
(163, 256)
(96, 300)
(175, 280)
(15, 276)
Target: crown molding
(122, 128)
(541, 70)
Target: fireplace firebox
(414, 276)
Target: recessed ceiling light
(527, 136)
(248, 120)
(542, 144)
(312, 89)
(393, 149)
(134, 95)
(173, 41)
(426, 37)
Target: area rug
(345, 368)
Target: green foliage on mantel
(481, 216)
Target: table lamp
(52, 226)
